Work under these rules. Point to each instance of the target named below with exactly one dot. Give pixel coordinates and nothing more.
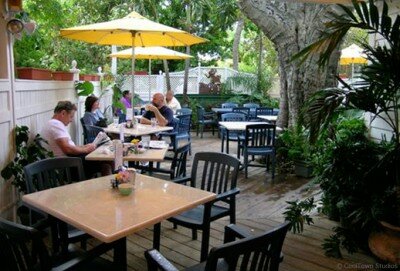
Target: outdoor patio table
(105, 153)
(235, 126)
(268, 118)
(95, 208)
(139, 130)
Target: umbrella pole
(149, 80)
(133, 70)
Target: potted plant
(27, 151)
(297, 150)
(61, 72)
(31, 70)
(379, 96)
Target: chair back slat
(261, 252)
(184, 111)
(178, 164)
(251, 105)
(229, 105)
(264, 111)
(260, 135)
(90, 132)
(219, 172)
(243, 110)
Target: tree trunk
(167, 78)
(236, 42)
(291, 27)
(260, 58)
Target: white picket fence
(147, 85)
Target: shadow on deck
(259, 206)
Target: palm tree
(381, 95)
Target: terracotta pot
(85, 77)
(385, 244)
(33, 73)
(63, 76)
(95, 77)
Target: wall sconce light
(15, 26)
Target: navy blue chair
(243, 110)
(183, 124)
(229, 105)
(90, 132)
(231, 135)
(205, 119)
(253, 107)
(259, 140)
(183, 111)
(268, 111)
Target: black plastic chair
(183, 124)
(204, 119)
(258, 252)
(22, 248)
(90, 132)
(218, 173)
(50, 173)
(259, 140)
(229, 105)
(232, 135)
(184, 111)
(253, 114)
(178, 164)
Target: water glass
(145, 141)
(115, 121)
(153, 122)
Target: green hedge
(206, 100)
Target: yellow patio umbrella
(352, 55)
(133, 30)
(150, 53)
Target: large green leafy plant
(26, 152)
(350, 171)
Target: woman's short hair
(65, 105)
(90, 100)
(125, 93)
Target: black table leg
(156, 236)
(120, 254)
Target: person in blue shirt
(157, 109)
(92, 114)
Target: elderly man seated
(60, 143)
(171, 101)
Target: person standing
(171, 101)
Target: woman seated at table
(93, 115)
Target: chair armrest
(233, 231)
(227, 194)
(168, 133)
(182, 180)
(155, 261)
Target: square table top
(101, 211)
(104, 153)
(139, 130)
(272, 118)
(238, 125)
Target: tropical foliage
(351, 164)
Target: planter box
(303, 169)
(89, 77)
(33, 73)
(63, 76)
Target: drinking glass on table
(145, 141)
(153, 122)
(115, 121)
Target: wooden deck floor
(259, 207)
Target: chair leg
(194, 234)
(232, 215)
(205, 242)
(197, 129)
(246, 161)
(201, 130)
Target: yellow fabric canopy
(132, 30)
(155, 52)
(352, 55)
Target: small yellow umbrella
(150, 53)
(352, 55)
(132, 30)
